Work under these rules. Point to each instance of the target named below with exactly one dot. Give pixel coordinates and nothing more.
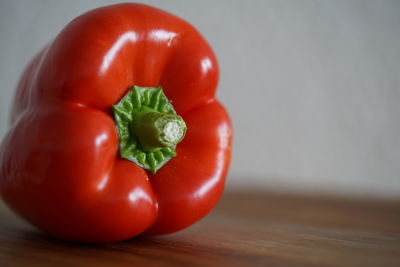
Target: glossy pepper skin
(59, 162)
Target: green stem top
(148, 127)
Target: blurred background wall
(313, 87)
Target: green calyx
(148, 127)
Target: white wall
(313, 87)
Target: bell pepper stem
(155, 130)
(148, 127)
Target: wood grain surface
(246, 229)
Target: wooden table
(246, 229)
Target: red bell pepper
(92, 154)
